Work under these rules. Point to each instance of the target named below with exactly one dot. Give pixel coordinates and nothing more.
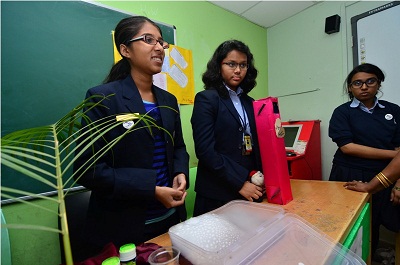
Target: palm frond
(47, 154)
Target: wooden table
(325, 204)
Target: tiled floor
(386, 246)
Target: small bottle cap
(111, 261)
(127, 252)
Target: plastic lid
(111, 261)
(127, 252)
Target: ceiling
(265, 13)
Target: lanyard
(243, 120)
(247, 143)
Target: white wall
(307, 67)
(380, 33)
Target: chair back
(76, 204)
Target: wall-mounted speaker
(332, 24)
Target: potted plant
(48, 152)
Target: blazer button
(239, 147)
(240, 129)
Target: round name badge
(388, 117)
(128, 124)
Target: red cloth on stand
(109, 250)
(143, 252)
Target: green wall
(201, 27)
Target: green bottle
(111, 261)
(127, 254)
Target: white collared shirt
(234, 95)
(356, 103)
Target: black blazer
(123, 181)
(218, 138)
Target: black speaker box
(332, 24)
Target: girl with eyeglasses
(224, 129)
(139, 187)
(367, 132)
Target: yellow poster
(117, 56)
(179, 68)
(176, 75)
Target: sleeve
(203, 121)
(339, 127)
(96, 172)
(397, 121)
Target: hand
(250, 191)
(179, 182)
(170, 197)
(395, 195)
(358, 186)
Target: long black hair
(212, 78)
(126, 29)
(364, 68)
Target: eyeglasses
(234, 65)
(149, 39)
(369, 83)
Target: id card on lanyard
(247, 146)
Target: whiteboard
(376, 40)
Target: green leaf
(50, 152)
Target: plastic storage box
(243, 232)
(209, 238)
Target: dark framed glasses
(234, 65)
(149, 39)
(370, 82)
